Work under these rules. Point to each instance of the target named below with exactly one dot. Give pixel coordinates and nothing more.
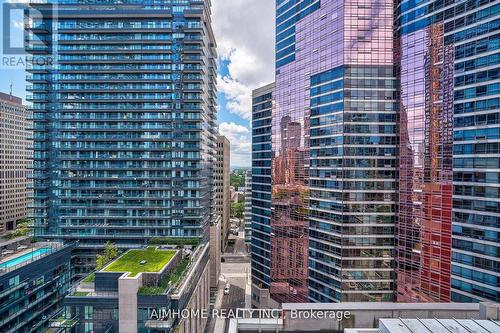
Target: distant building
(34, 278)
(234, 194)
(130, 299)
(247, 214)
(14, 156)
(222, 186)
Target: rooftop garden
(89, 278)
(139, 261)
(80, 293)
(170, 279)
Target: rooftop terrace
(16, 254)
(138, 261)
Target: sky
(244, 31)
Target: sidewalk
(220, 324)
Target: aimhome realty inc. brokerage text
(167, 314)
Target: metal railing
(52, 247)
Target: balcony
(38, 48)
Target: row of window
(354, 151)
(477, 205)
(488, 75)
(487, 44)
(353, 184)
(477, 134)
(477, 148)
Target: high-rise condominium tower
(124, 130)
(448, 63)
(333, 149)
(14, 156)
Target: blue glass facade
(460, 41)
(262, 104)
(33, 285)
(352, 184)
(124, 121)
(324, 211)
(288, 13)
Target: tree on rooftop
(110, 253)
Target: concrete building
(129, 296)
(368, 317)
(34, 278)
(222, 186)
(124, 139)
(215, 252)
(247, 213)
(234, 194)
(14, 162)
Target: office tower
(222, 186)
(247, 213)
(334, 147)
(449, 212)
(124, 121)
(14, 154)
(34, 278)
(262, 104)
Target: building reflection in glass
(425, 187)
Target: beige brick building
(222, 200)
(14, 161)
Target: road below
(235, 270)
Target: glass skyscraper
(124, 115)
(385, 158)
(328, 230)
(448, 62)
(260, 247)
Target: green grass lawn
(89, 278)
(80, 293)
(130, 261)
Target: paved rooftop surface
(438, 325)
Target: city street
(236, 271)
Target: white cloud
(244, 30)
(241, 143)
(237, 95)
(18, 24)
